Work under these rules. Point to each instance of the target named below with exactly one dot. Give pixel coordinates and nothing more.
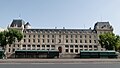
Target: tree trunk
(5, 54)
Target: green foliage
(3, 38)
(9, 36)
(118, 46)
(109, 41)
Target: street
(110, 65)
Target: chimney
(63, 27)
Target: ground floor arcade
(36, 54)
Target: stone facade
(69, 42)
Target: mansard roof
(17, 22)
(27, 24)
(59, 30)
(101, 25)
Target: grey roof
(101, 24)
(27, 24)
(61, 29)
(65, 30)
(17, 22)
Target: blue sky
(61, 13)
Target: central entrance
(60, 49)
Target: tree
(9, 37)
(118, 46)
(109, 41)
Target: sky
(81, 14)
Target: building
(69, 42)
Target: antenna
(55, 27)
(19, 16)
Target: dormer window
(103, 26)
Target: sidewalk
(60, 61)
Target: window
(33, 45)
(71, 36)
(89, 41)
(86, 49)
(52, 36)
(66, 50)
(85, 36)
(43, 41)
(9, 45)
(43, 49)
(75, 41)
(85, 46)
(24, 45)
(80, 41)
(90, 46)
(66, 46)
(14, 45)
(38, 40)
(43, 36)
(80, 36)
(75, 36)
(43, 45)
(18, 45)
(48, 45)
(59, 36)
(95, 49)
(13, 50)
(71, 50)
(48, 40)
(34, 40)
(66, 36)
(71, 46)
(9, 49)
(48, 36)
(76, 46)
(59, 41)
(52, 45)
(29, 36)
(28, 45)
(90, 49)
(52, 40)
(94, 41)
(81, 46)
(76, 50)
(24, 40)
(24, 36)
(66, 40)
(85, 41)
(38, 36)
(81, 49)
(89, 36)
(53, 49)
(33, 36)
(29, 40)
(95, 46)
(71, 41)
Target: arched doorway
(60, 49)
